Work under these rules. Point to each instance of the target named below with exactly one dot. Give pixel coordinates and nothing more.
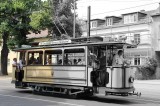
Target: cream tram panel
(70, 72)
(57, 74)
(39, 74)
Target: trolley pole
(88, 21)
(74, 22)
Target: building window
(132, 18)
(109, 22)
(137, 60)
(137, 38)
(94, 24)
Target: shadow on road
(102, 99)
(111, 100)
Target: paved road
(9, 96)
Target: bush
(148, 70)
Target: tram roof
(110, 43)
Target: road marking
(138, 99)
(145, 100)
(41, 100)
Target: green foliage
(40, 20)
(18, 5)
(149, 69)
(11, 44)
(63, 19)
(15, 24)
(19, 17)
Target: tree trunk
(4, 55)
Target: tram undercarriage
(73, 91)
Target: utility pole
(88, 21)
(74, 22)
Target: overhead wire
(113, 1)
(123, 9)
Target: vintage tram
(68, 67)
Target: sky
(102, 8)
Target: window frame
(109, 21)
(45, 57)
(35, 51)
(94, 24)
(85, 60)
(137, 38)
(131, 18)
(137, 60)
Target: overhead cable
(123, 9)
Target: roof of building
(158, 14)
(97, 19)
(134, 13)
(113, 17)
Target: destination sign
(54, 42)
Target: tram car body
(63, 74)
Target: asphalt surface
(10, 96)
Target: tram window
(53, 57)
(35, 57)
(74, 56)
(21, 58)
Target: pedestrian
(14, 63)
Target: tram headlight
(131, 79)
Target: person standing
(118, 59)
(14, 63)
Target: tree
(63, 18)
(148, 70)
(15, 19)
(4, 32)
(19, 17)
(41, 20)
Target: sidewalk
(3, 77)
(148, 82)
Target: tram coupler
(123, 94)
(136, 93)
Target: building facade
(141, 28)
